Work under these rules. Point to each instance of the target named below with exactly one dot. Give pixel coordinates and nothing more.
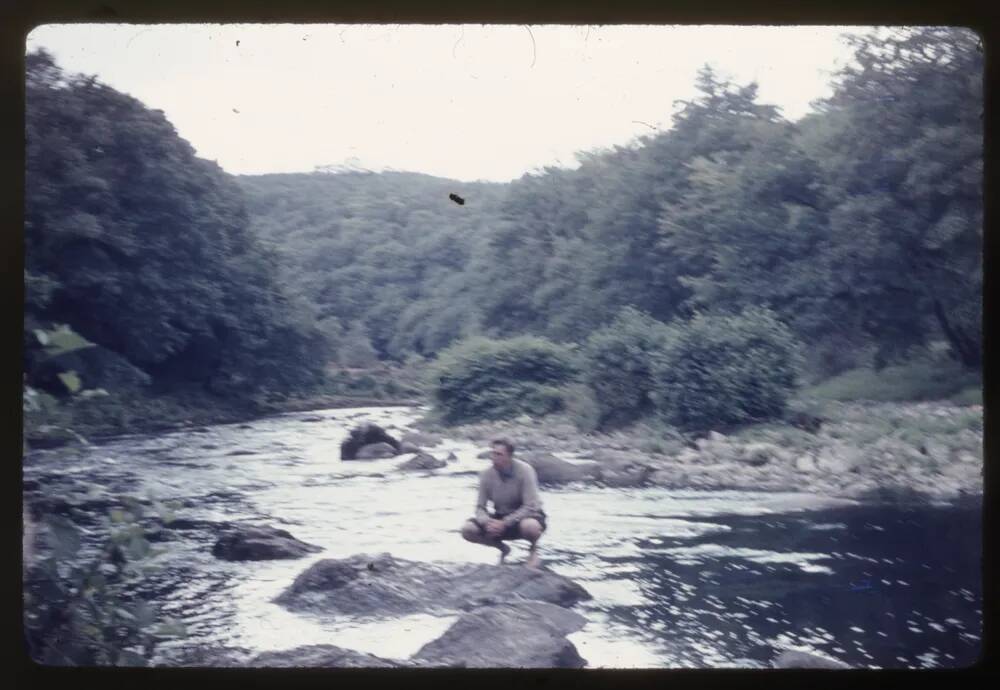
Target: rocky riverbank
(863, 451)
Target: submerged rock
(365, 435)
(380, 585)
(423, 461)
(320, 656)
(793, 658)
(374, 451)
(246, 543)
(512, 635)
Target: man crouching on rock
(513, 487)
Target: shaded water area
(679, 578)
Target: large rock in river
(374, 451)
(321, 656)
(365, 435)
(423, 461)
(380, 585)
(514, 635)
(553, 470)
(246, 543)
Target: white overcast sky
(466, 102)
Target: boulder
(421, 438)
(758, 454)
(513, 635)
(423, 461)
(624, 473)
(247, 543)
(364, 435)
(205, 654)
(451, 457)
(405, 447)
(374, 451)
(553, 470)
(381, 585)
(796, 659)
(321, 656)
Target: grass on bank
(919, 380)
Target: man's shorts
(512, 531)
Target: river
(680, 579)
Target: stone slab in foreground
(529, 634)
(381, 585)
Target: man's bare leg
(531, 530)
(471, 532)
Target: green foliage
(619, 365)
(143, 249)
(581, 407)
(388, 250)
(480, 378)
(724, 370)
(356, 351)
(921, 378)
(79, 609)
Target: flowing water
(679, 578)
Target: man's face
(500, 457)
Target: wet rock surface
(381, 585)
(247, 543)
(798, 659)
(423, 461)
(374, 451)
(365, 435)
(553, 470)
(321, 656)
(510, 635)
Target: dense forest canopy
(858, 226)
(144, 249)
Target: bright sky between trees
(468, 102)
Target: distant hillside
(368, 249)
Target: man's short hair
(506, 444)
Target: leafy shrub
(479, 378)
(581, 407)
(724, 370)
(619, 365)
(78, 611)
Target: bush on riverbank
(929, 376)
(723, 370)
(479, 378)
(619, 366)
(78, 610)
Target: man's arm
(531, 504)
(481, 515)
